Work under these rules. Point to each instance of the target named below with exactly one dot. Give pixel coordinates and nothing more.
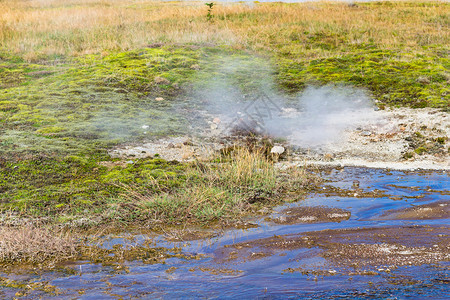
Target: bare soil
(400, 138)
(352, 250)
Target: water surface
(268, 277)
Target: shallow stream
(296, 260)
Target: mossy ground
(393, 78)
(59, 117)
(92, 101)
(57, 127)
(60, 113)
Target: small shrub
(421, 150)
(209, 15)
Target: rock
(277, 150)
(423, 80)
(159, 99)
(216, 121)
(282, 219)
(188, 142)
(214, 126)
(366, 133)
(170, 146)
(161, 80)
(328, 157)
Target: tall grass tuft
(226, 189)
(248, 169)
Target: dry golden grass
(45, 27)
(34, 244)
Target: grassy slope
(61, 108)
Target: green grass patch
(147, 190)
(78, 185)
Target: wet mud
(353, 250)
(435, 210)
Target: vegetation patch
(73, 88)
(94, 101)
(393, 78)
(218, 191)
(35, 245)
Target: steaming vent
(245, 126)
(315, 119)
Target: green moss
(393, 78)
(441, 140)
(418, 134)
(93, 101)
(421, 150)
(49, 187)
(408, 155)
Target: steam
(326, 116)
(236, 93)
(316, 118)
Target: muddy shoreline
(371, 231)
(353, 250)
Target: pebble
(277, 150)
